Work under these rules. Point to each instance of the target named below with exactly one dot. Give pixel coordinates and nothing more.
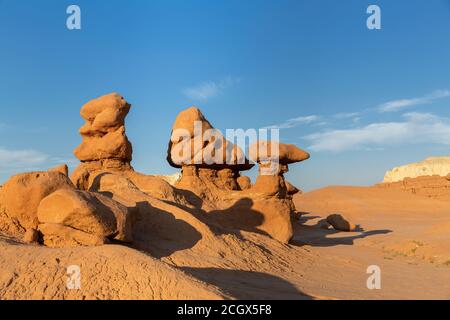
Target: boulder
(105, 113)
(31, 236)
(340, 223)
(58, 235)
(89, 212)
(22, 193)
(244, 182)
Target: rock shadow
(317, 237)
(238, 217)
(10, 239)
(160, 233)
(248, 285)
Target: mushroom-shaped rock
(194, 141)
(273, 158)
(271, 151)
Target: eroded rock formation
(208, 161)
(439, 166)
(105, 144)
(436, 187)
(429, 178)
(106, 200)
(106, 149)
(211, 170)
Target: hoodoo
(107, 200)
(211, 170)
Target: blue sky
(361, 101)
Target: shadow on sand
(313, 235)
(160, 233)
(248, 284)
(238, 217)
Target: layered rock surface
(439, 166)
(105, 144)
(429, 178)
(436, 187)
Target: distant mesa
(439, 166)
(429, 178)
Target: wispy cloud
(397, 105)
(21, 158)
(346, 115)
(209, 89)
(294, 122)
(415, 128)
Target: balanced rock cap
(263, 151)
(106, 111)
(104, 131)
(194, 141)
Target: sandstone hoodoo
(207, 159)
(105, 147)
(106, 200)
(272, 193)
(274, 159)
(105, 144)
(104, 132)
(211, 170)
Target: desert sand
(210, 233)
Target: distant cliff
(429, 178)
(439, 166)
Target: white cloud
(396, 105)
(210, 89)
(346, 115)
(294, 122)
(416, 128)
(21, 158)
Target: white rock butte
(431, 166)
